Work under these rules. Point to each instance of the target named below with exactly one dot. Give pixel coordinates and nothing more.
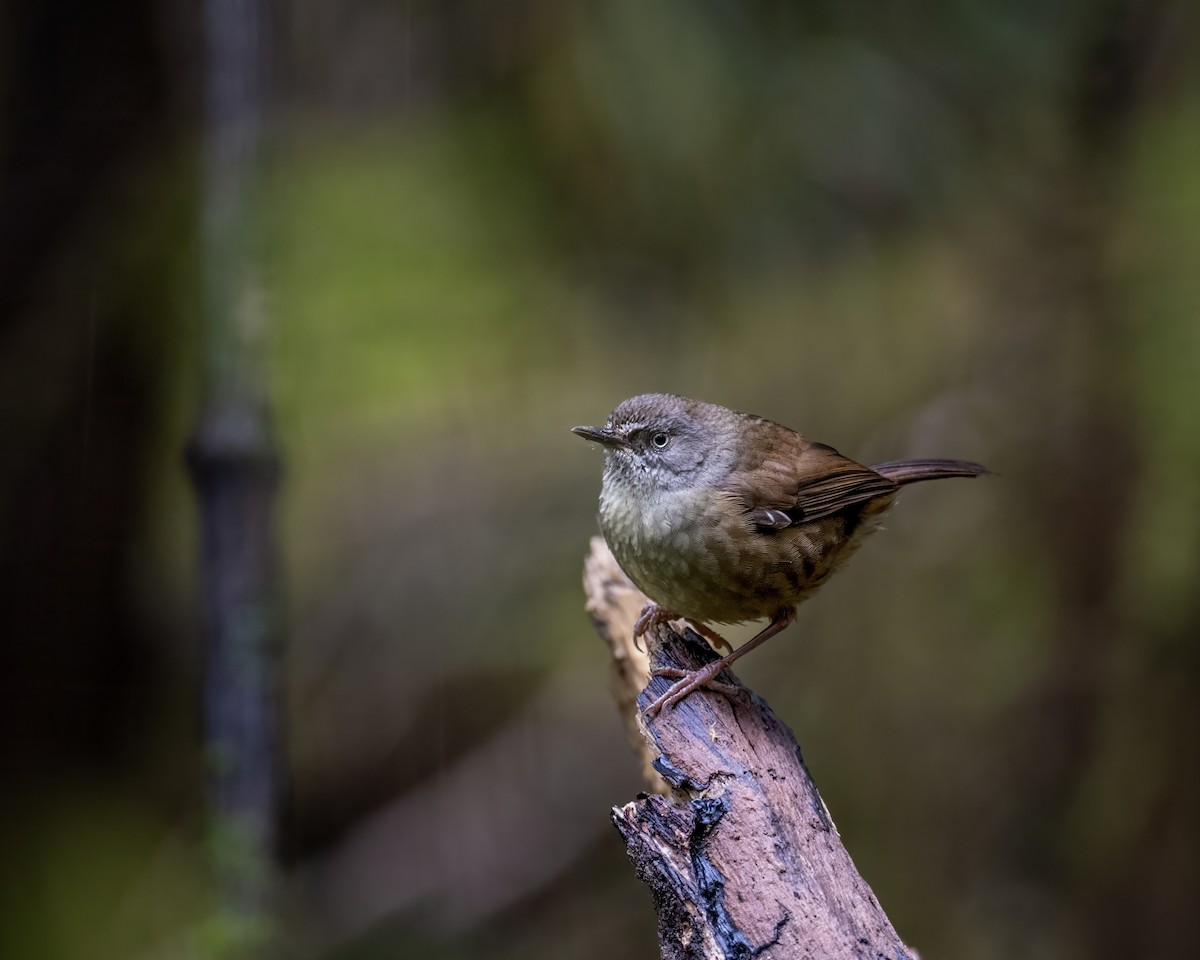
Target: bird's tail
(913, 471)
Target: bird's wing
(799, 481)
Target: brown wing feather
(797, 480)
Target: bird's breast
(699, 556)
(694, 555)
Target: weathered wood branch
(736, 845)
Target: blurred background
(969, 231)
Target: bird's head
(665, 442)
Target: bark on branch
(736, 845)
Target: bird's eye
(660, 440)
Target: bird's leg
(653, 614)
(705, 676)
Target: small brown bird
(722, 517)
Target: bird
(723, 517)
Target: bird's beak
(602, 435)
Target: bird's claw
(652, 615)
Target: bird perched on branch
(723, 517)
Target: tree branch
(736, 845)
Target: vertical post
(234, 467)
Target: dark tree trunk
(234, 466)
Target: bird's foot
(689, 680)
(652, 616)
(705, 675)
